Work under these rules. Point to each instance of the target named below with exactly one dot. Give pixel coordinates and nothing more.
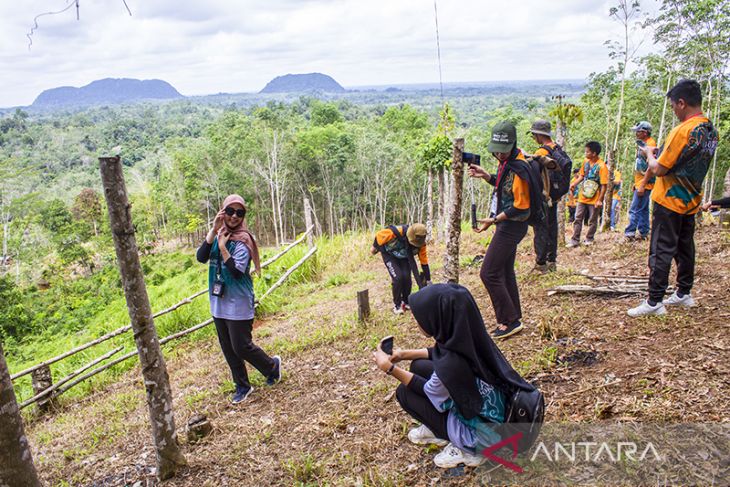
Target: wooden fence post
(41, 379)
(363, 306)
(308, 221)
(451, 265)
(16, 460)
(154, 370)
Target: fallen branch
(73, 374)
(600, 290)
(586, 389)
(287, 274)
(103, 338)
(288, 248)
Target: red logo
(512, 440)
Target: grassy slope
(333, 419)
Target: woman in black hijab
(457, 388)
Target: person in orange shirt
(677, 195)
(510, 211)
(643, 183)
(593, 175)
(398, 245)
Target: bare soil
(333, 419)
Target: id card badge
(217, 289)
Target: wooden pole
(154, 370)
(307, 235)
(104, 338)
(308, 221)
(287, 274)
(41, 381)
(46, 392)
(16, 461)
(451, 265)
(363, 305)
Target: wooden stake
(41, 381)
(451, 265)
(308, 221)
(154, 370)
(363, 305)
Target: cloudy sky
(212, 46)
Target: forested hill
(294, 83)
(107, 91)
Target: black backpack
(538, 205)
(524, 416)
(559, 180)
(411, 258)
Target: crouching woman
(455, 389)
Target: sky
(234, 46)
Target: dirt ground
(333, 420)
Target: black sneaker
(512, 329)
(275, 375)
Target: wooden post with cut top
(363, 306)
(308, 222)
(154, 370)
(41, 380)
(451, 265)
(16, 460)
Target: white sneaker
(646, 309)
(397, 310)
(452, 456)
(685, 300)
(572, 244)
(424, 436)
(588, 242)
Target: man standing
(594, 176)
(643, 183)
(546, 235)
(677, 195)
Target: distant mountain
(107, 91)
(292, 83)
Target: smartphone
(386, 345)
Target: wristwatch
(390, 370)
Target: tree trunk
(441, 230)
(451, 264)
(308, 222)
(608, 197)
(429, 210)
(664, 112)
(154, 370)
(560, 131)
(16, 461)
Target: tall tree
(16, 460)
(154, 370)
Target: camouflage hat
(416, 234)
(541, 127)
(644, 125)
(504, 137)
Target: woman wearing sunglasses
(230, 248)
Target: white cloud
(232, 46)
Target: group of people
(463, 386)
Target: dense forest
(363, 158)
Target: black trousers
(498, 271)
(419, 406)
(238, 347)
(672, 238)
(546, 237)
(400, 277)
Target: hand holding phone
(386, 345)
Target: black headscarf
(463, 349)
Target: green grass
(98, 307)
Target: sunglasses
(232, 211)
